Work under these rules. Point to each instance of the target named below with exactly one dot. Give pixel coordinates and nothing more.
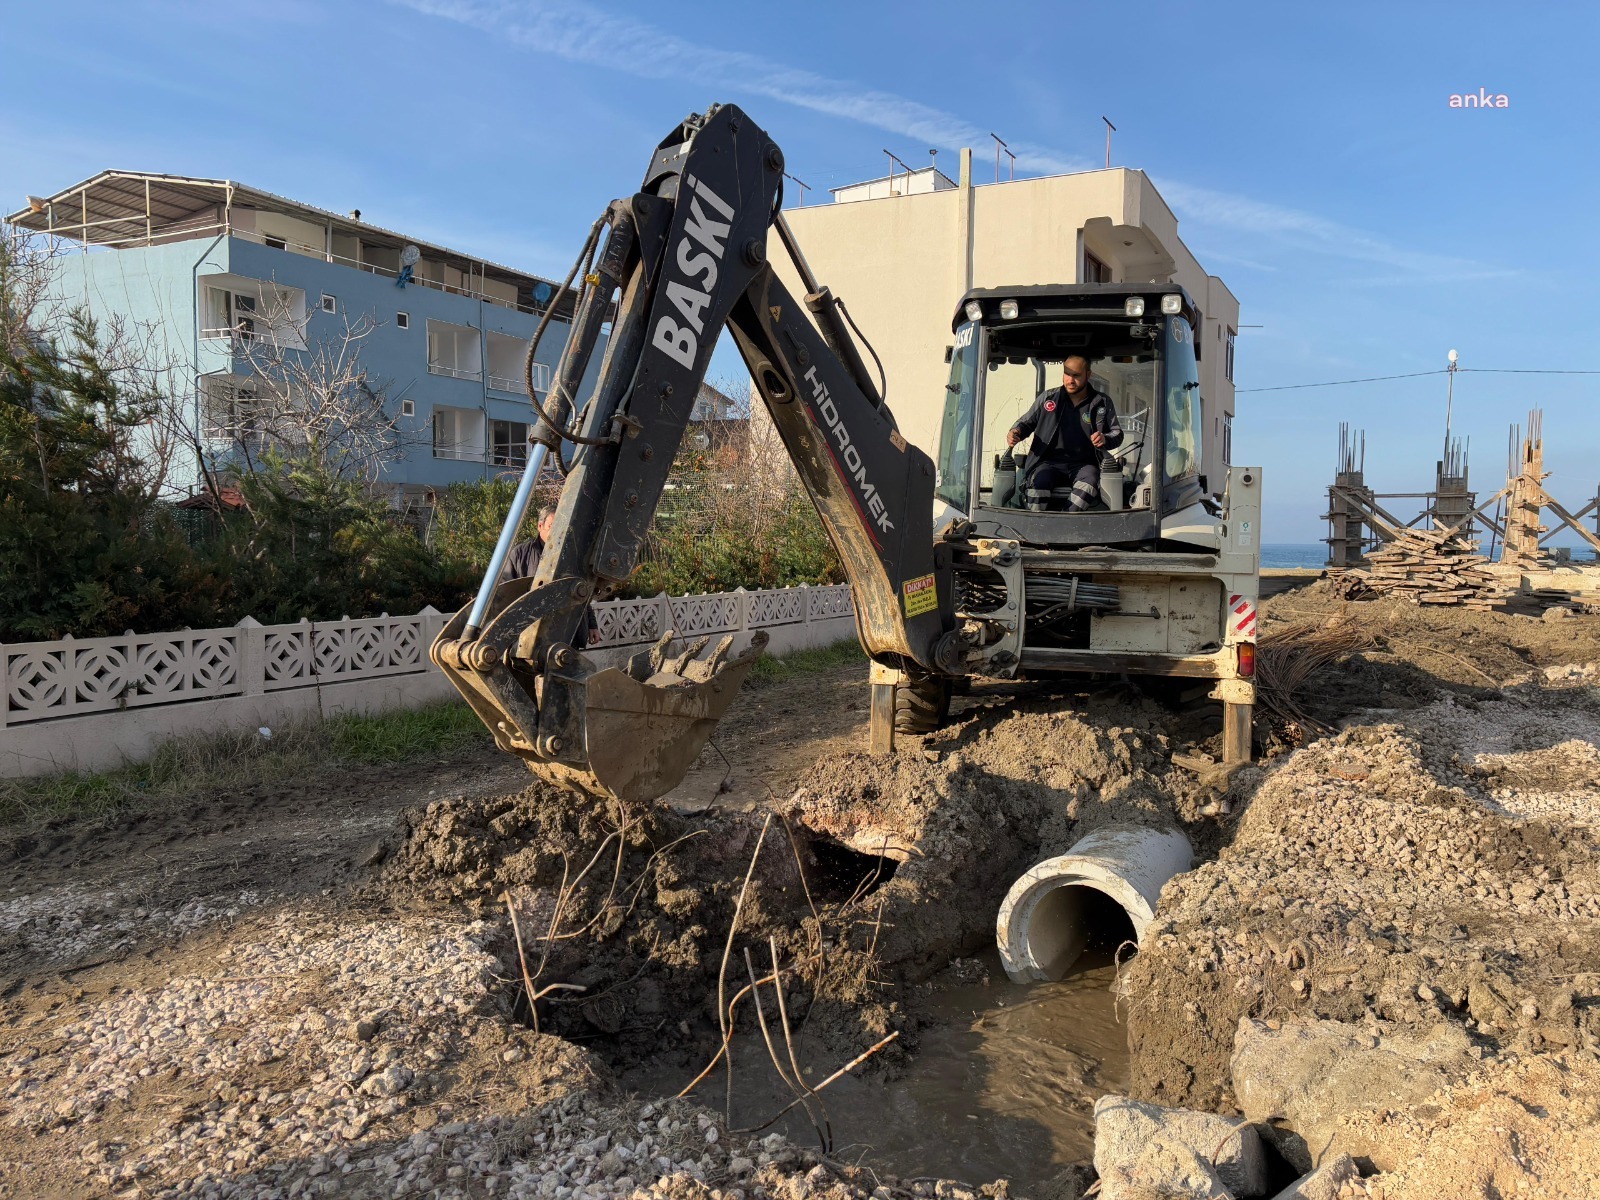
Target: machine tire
(921, 704)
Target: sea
(1279, 555)
(1293, 554)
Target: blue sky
(1310, 154)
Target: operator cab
(1010, 344)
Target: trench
(990, 1079)
(1001, 1083)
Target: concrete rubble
(1327, 1182)
(1302, 1079)
(1144, 1151)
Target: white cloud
(579, 32)
(1206, 209)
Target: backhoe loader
(959, 568)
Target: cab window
(955, 434)
(1181, 443)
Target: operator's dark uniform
(1062, 454)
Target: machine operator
(1072, 425)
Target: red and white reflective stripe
(1241, 616)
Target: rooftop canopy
(124, 209)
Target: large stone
(1144, 1151)
(1323, 1183)
(1305, 1079)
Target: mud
(872, 877)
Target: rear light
(1247, 660)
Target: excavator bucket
(646, 723)
(631, 731)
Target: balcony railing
(454, 372)
(294, 247)
(517, 384)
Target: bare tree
(303, 401)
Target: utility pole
(1450, 400)
(1000, 145)
(1110, 129)
(804, 187)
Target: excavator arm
(670, 267)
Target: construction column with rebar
(1348, 500)
(1453, 499)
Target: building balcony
(517, 385)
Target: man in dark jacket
(523, 563)
(1072, 425)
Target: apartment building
(207, 270)
(900, 252)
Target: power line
(1290, 387)
(1524, 371)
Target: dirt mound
(1522, 1127)
(872, 876)
(1421, 652)
(1377, 875)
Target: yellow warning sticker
(921, 596)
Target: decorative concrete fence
(93, 703)
(796, 618)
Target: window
(276, 243)
(231, 411)
(402, 320)
(408, 408)
(454, 350)
(458, 434)
(329, 304)
(953, 484)
(1095, 271)
(508, 443)
(230, 314)
(1227, 441)
(1183, 418)
(1227, 358)
(507, 358)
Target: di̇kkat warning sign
(921, 596)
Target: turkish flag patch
(1049, 406)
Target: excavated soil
(871, 877)
(324, 995)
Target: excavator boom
(670, 267)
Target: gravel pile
(363, 1058)
(70, 922)
(349, 1021)
(1377, 876)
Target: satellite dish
(410, 256)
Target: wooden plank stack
(1432, 566)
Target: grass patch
(807, 662)
(185, 767)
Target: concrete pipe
(1046, 918)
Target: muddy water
(1002, 1083)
